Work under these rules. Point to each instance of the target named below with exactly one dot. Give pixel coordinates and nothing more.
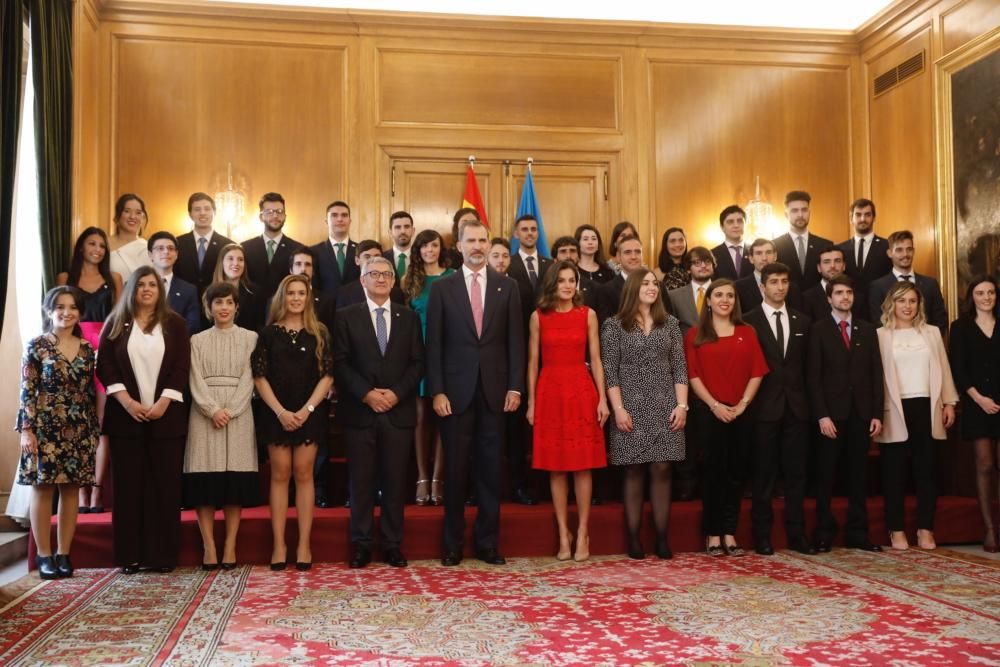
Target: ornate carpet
(845, 608)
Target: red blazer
(114, 366)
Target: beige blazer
(942, 386)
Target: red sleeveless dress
(567, 436)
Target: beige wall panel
(529, 90)
(902, 151)
(717, 127)
(184, 109)
(967, 20)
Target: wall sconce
(761, 221)
(230, 203)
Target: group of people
(471, 354)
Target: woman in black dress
(975, 364)
(293, 373)
(593, 265)
(231, 268)
(671, 266)
(90, 272)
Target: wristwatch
(310, 407)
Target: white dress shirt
(467, 273)
(769, 312)
(372, 307)
(868, 238)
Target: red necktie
(843, 332)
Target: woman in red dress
(566, 402)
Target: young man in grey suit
(475, 374)
(684, 300)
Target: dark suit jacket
(839, 378)
(187, 259)
(327, 276)
(785, 384)
(353, 293)
(788, 255)
(183, 299)
(877, 262)
(748, 292)
(114, 366)
(519, 272)
(457, 359)
(608, 297)
(816, 306)
(724, 267)
(358, 365)
(252, 313)
(266, 277)
(934, 308)
(588, 288)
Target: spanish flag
(472, 198)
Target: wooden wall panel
(719, 126)
(86, 145)
(184, 108)
(967, 20)
(902, 150)
(484, 89)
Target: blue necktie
(381, 331)
(201, 251)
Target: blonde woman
(293, 373)
(920, 400)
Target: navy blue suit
(327, 277)
(183, 300)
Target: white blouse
(913, 363)
(130, 257)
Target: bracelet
(620, 407)
(283, 411)
(715, 405)
(745, 400)
(683, 405)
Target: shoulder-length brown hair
(888, 317)
(706, 327)
(628, 312)
(309, 320)
(549, 298)
(124, 311)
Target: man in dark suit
(762, 253)
(798, 249)
(845, 389)
(527, 265)
(901, 253)
(866, 255)
(353, 292)
(401, 231)
(267, 255)
(335, 265)
(815, 302)
(182, 296)
(378, 362)
(731, 258)
(609, 295)
(686, 302)
(475, 373)
(198, 250)
(780, 412)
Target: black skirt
(977, 424)
(218, 489)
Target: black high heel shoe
(662, 550)
(635, 550)
(63, 565)
(46, 567)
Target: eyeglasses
(270, 212)
(375, 275)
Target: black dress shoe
(802, 545)
(662, 549)
(130, 569)
(635, 550)
(360, 557)
(823, 546)
(471, 501)
(83, 509)
(46, 567)
(491, 556)
(208, 567)
(522, 497)
(164, 569)
(63, 565)
(451, 558)
(323, 503)
(763, 548)
(864, 545)
(302, 566)
(596, 500)
(279, 566)
(228, 566)
(394, 557)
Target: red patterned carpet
(844, 608)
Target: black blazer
(839, 378)
(877, 262)
(609, 297)
(785, 384)
(114, 366)
(975, 359)
(749, 294)
(934, 308)
(519, 272)
(187, 259)
(327, 276)
(787, 255)
(266, 277)
(353, 293)
(358, 366)
(457, 359)
(183, 299)
(816, 306)
(724, 267)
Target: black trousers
(518, 445)
(851, 445)
(726, 456)
(920, 450)
(779, 446)
(378, 455)
(474, 436)
(146, 521)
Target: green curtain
(11, 52)
(52, 65)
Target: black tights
(659, 498)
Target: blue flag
(529, 206)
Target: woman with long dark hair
(726, 366)
(671, 266)
(231, 267)
(90, 272)
(128, 249)
(58, 424)
(428, 262)
(293, 373)
(593, 264)
(143, 362)
(566, 401)
(974, 344)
